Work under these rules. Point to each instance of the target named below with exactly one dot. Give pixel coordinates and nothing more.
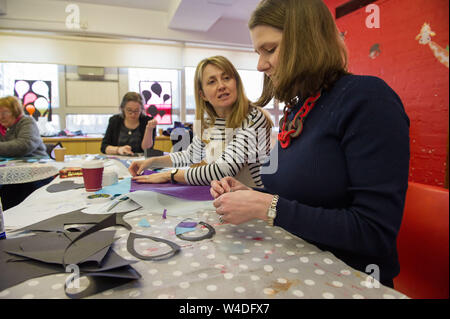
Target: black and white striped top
(228, 152)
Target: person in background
(131, 131)
(343, 145)
(19, 133)
(231, 135)
(19, 137)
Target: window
(88, 123)
(10, 72)
(35, 85)
(189, 75)
(138, 76)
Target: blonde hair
(312, 54)
(204, 111)
(13, 104)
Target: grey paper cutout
(63, 186)
(210, 234)
(111, 261)
(75, 217)
(130, 247)
(16, 272)
(51, 247)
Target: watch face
(173, 171)
(271, 213)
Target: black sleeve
(108, 139)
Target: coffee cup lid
(92, 164)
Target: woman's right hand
(226, 185)
(137, 167)
(125, 150)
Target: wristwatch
(172, 176)
(272, 211)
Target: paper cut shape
(187, 224)
(189, 192)
(130, 246)
(57, 223)
(158, 100)
(86, 246)
(121, 187)
(35, 96)
(63, 186)
(210, 234)
(15, 272)
(182, 230)
(144, 223)
(51, 247)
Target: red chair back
(423, 243)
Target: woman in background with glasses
(131, 131)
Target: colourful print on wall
(35, 96)
(157, 100)
(424, 38)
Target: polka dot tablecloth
(246, 261)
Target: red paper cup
(92, 175)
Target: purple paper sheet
(189, 192)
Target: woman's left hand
(156, 178)
(243, 205)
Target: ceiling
(193, 15)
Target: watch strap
(172, 176)
(272, 211)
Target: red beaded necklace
(294, 128)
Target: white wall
(70, 50)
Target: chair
(422, 243)
(50, 147)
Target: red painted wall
(411, 69)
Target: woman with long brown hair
(343, 145)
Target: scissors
(116, 202)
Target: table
(247, 261)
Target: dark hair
(131, 96)
(312, 54)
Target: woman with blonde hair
(19, 133)
(343, 151)
(231, 135)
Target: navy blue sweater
(342, 182)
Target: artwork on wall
(35, 96)
(424, 38)
(157, 100)
(374, 51)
